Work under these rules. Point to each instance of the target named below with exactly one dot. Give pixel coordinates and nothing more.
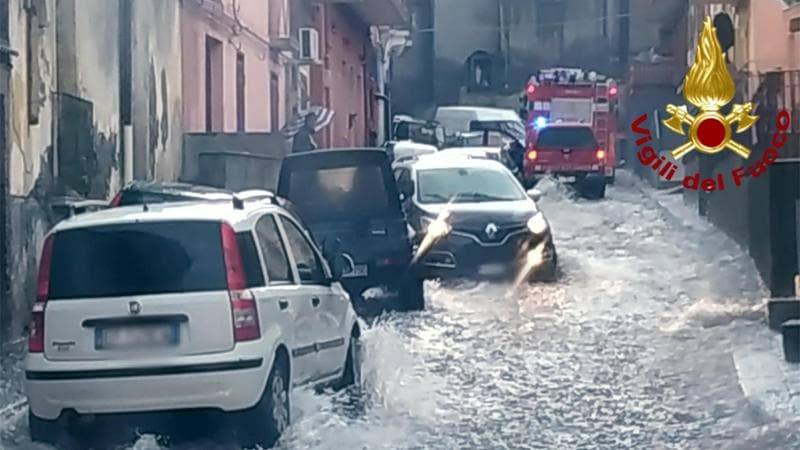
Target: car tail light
(36, 336)
(243, 302)
(601, 154)
(532, 155)
(531, 89)
(116, 200)
(612, 91)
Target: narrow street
(636, 346)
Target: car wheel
(352, 365)
(264, 424)
(412, 295)
(548, 273)
(595, 191)
(45, 431)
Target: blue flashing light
(540, 122)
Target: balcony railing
(378, 12)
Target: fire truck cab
(564, 96)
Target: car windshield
(137, 259)
(462, 185)
(566, 137)
(320, 194)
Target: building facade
(344, 78)
(93, 99)
(234, 80)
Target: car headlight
(436, 228)
(537, 224)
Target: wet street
(634, 347)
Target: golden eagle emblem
(709, 86)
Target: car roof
(484, 111)
(333, 151)
(191, 210)
(568, 125)
(468, 148)
(439, 161)
(173, 187)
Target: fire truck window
(566, 137)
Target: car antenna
(237, 203)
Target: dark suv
(350, 196)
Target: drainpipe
(391, 44)
(127, 153)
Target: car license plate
(566, 179)
(136, 337)
(359, 271)
(492, 269)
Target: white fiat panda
(165, 308)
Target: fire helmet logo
(709, 86)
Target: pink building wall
(342, 82)
(251, 38)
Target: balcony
(377, 12)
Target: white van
(457, 118)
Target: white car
(494, 153)
(222, 306)
(409, 149)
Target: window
(273, 251)
(550, 19)
(4, 21)
(137, 259)
(213, 84)
(320, 194)
(240, 93)
(274, 103)
(308, 264)
(480, 71)
(566, 137)
(252, 265)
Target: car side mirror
(333, 254)
(406, 189)
(535, 194)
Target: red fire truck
(571, 97)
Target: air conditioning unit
(309, 45)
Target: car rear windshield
(566, 137)
(137, 198)
(319, 194)
(137, 259)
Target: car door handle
(283, 304)
(315, 301)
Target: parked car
(350, 195)
(568, 151)
(138, 192)
(407, 149)
(174, 308)
(473, 219)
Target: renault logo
(134, 307)
(491, 230)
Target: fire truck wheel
(595, 191)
